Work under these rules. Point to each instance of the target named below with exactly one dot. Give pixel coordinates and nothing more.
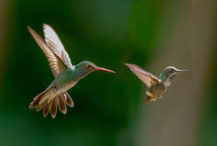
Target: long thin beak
(179, 70)
(104, 69)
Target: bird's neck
(78, 74)
(165, 76)
(165, 79)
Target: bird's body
(68, 79)
(63, 82)
(155, 91)
(66, 75)
(156, 85)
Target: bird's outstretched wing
(53, 42)
(148, 78)
(56, 64)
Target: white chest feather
(167, 83)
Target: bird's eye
(89, 66)
(173, 70)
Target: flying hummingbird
(156, 85)
(66, 75)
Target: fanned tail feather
(34, 103)
(53, 109)
(69, 100)
(49, 104)
(62, 104)
(148, 99)
(47, 108)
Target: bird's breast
(68, 85)
(166, 83)
(156, 90)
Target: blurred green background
(109, 109)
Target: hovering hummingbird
(66, 75)
(156, 86)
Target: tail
(50, 102)
(147, 99)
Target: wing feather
(146, 77)
(53, 42)
(55, 63)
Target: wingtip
(46, 26)
(28, 28)
(129, 65)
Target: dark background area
(109, 109)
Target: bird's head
(170, 72)
(86, 67)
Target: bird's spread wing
(56, 65)
(148, 78)
(53, 42)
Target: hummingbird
(156, 85)
(66, 75)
